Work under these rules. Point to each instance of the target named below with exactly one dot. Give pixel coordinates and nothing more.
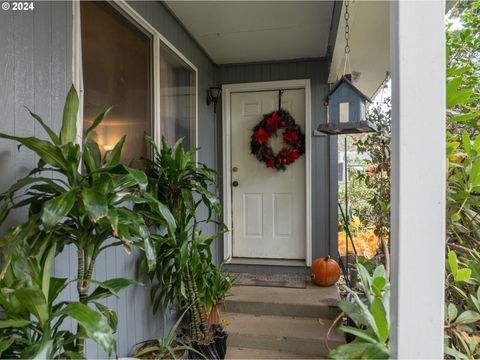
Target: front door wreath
(293, 139)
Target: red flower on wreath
(261, 135)
(288, 155)
(273, 121)
(290, 136)
(269, 162)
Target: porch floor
(280, 323)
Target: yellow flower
(355, 222)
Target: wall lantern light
(347, 109)
(213, 95)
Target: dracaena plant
(86, 202)
(34, 316)
(178, 183)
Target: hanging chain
(347, 27)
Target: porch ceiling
(255, 31)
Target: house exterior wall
(36, 63)
(324, 149)
(36, 71)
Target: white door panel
(268, 206)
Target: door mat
(271, 280)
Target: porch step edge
(297, 335)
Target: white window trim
(77, 75)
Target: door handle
(235, 183)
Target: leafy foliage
(371, 318)
(85, 204)
(184, 260)
(166, 348)
(462, 310)
(33, 328)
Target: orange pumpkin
(325, 271)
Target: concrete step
(234, 352)
(295, 335)
(314, 301)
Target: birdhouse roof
(344, 79)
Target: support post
(418, 178)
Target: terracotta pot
(214, 316)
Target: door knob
(235, 183)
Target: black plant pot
(215, 349)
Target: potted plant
(166, 348)
(218, 284)
(184, 259)
(84, 204)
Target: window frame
(132, 15)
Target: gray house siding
(324, 149)
(36, 71)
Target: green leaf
(47, 271)
(34, 301)
(68, 131)
(116, 153)
(96, 122)
(165, 213)
(452, 312)
(463, 117)
(454, 95)
(459, 98)
(452, 262)
(56, 209)
(44, 352)
(49, 153)
(466, 142)
(455, 217)
(476, 144)
(475, 174)
(109, 314)
(463, 275)
(356, 350)
(379, 283)
(47, 129)
(149, 253)
(14, 323)
(95, 204)
(5, 344)
(379, 314)
(94, 324)
(111, 287)
(140, 178)
(364, 277)
(359, 333)
(468, 317)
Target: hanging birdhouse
(347, 109)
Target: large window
(120, 66)
(177, 98)
(117, 61)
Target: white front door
(268, 206)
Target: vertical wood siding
(35, 71)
